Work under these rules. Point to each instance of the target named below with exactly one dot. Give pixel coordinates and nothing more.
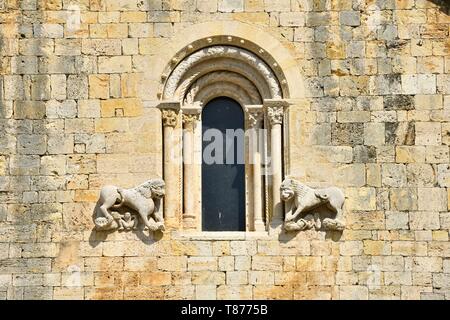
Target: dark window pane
(223, 179)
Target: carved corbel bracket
(303, 203)
(124, 209)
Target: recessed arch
(218, 65)
(229, 90)
(231, 84)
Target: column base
(260, 226)
(189, 222)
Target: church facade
(224, 149)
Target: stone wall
(78, 89)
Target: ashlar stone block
(115, 64)
(432, 199)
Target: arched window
(214, 84)
(223, 167)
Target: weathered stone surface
(347, 133)
(403, 199)
(77, 87)
(399, 102)
(369, 87)
(31, 144)
(400, 133)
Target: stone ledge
(220, 235)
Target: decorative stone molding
(301, 201)
(123, 209)
(229, 90)
(222, 51)
(219, 79)
(218, 65)
(268, 47)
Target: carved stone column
(172, 166)
(254, 121)
(275, 112)
(191, 181)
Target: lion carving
(143, 200)
(301, 199)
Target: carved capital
(190, 119)
(275, 115)
(169, 113)
(191, 114)
(275, 110)
(254, 117)
(169, 117)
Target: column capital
(191, 114)
(169, 113)
(169, 117)
(275, 110)
(254, 115)
(190, 119)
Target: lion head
(287, 189)
(154, 188)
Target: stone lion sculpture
(144, 199)
(300, 199)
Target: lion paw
(331, 224)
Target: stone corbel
(123, 209)
(303, 206)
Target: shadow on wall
(444, 5)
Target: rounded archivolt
(222, 64)
(205, 88)
(222, 89)
(217, 65)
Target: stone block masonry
(79, 83)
